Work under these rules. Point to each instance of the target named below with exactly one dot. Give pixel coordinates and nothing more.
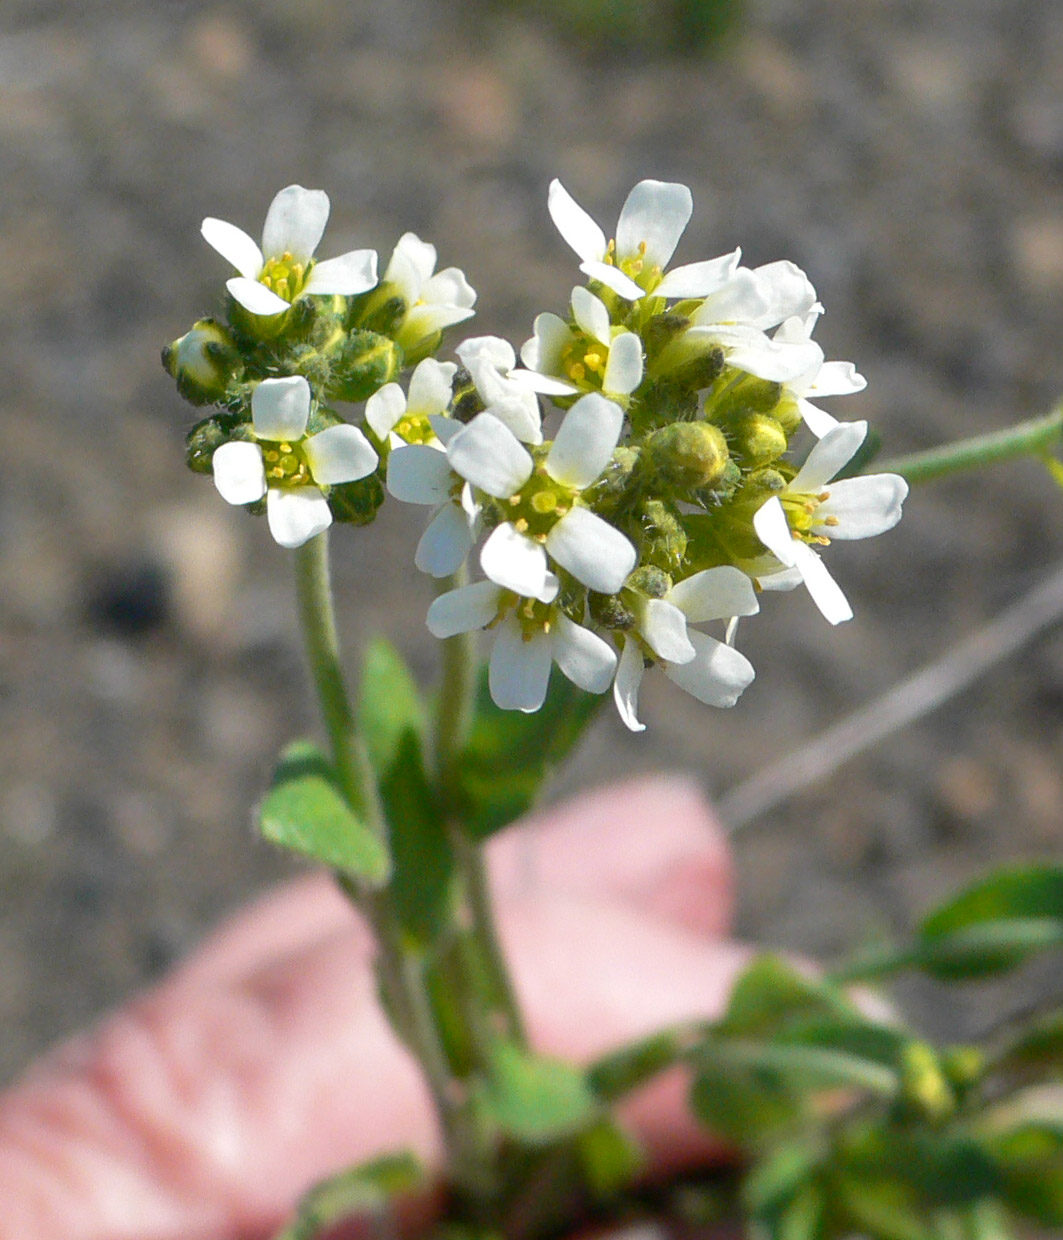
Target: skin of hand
(203, 1109)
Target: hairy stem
(1031, 438)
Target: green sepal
(533, 1098)
(510, 754)
(305, 812)
(357, 503)
(363, 366)
(391, 718)
(208, 435)
(366, 1189)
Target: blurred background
(907, 153)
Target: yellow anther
(593, 361)
(577, 371)
(831, 521)
(642, 249)
(515, 499)
(546, 626)
(823, 496)
(286, 447)
(521, 525)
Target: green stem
(455, 711)
(401, 971)
(1031, 438)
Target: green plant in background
(659, 495)
(690, 26)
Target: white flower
(546, 518)
(410, 417)
(288, 467)
(490, 361)
(433, 301)
(808, 512)
(530, 635)
(563, 360)
(821, 379)
(712, 671)
(737, 315)
(272, 277)
(651, 222)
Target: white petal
(234, 244)
(714, 594)
(445, 542)
(774, 360)
(430, 386)
(583, 656)
(574, 224)
(488, 455)
(543, 352)
(295, 516)
(863, 506)
(463, 610)
(623, 371)
(239, 473)
(741, 299)
(348, 275)
(543, 384)
(339, 454)
(784, 579)
(835, 450)
(612, 277)
(699, 279)
(664, 627)
(825, 591)
(551, 588)
(449, 287)
(818, 421)
(592, 550)
(656, 212)
(773, 530)
(425, 320)
(591, 315)
(491, 350)
(518, 411)
(294, 223)
(585, 441)
(716, 675)
(514, 561)
(445, 427)
(280, 408)
(419, 474)
(412, 263)
(519, 671)
(837, 379)
(788, 290)
(626, 686)
(256, 297)
(385, 408)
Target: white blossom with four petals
(857, 507)
(820, 380)
(652, 220)
(286, 465)
(489, 456)
(294, 226)
(490, 361)
(712, 671)
(434, 299)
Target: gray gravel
(908, 155)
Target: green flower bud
(788, 415)
(758, 439)
(366, 362)
(357, 503)
(211, 433)
(381, 310)
(649, 580)
(203, 362)
(739, 399)
(661, 330)
(466, 402)
(686, 455)
(663, 539)
(609, 492)
(609, 612)
(924, 1087)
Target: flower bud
(211, 433)
(686, 455)
(609, 612)
(366, 362)
(357, 503)
(758, 439)
(203, 362)
(664, 543)
(649, 580)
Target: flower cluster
(657, 497)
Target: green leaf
(509, 754)
(366, 1189)
(1030, 1161)
(994, 924)
(1036, 1051)
(879, 1207)
(623, 1070)
(771, 994)
(388, 704)
(422, 857)
(742, 1103)
(609, 1157)
(306, 812)
(534, 1098)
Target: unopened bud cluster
(659, 495)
